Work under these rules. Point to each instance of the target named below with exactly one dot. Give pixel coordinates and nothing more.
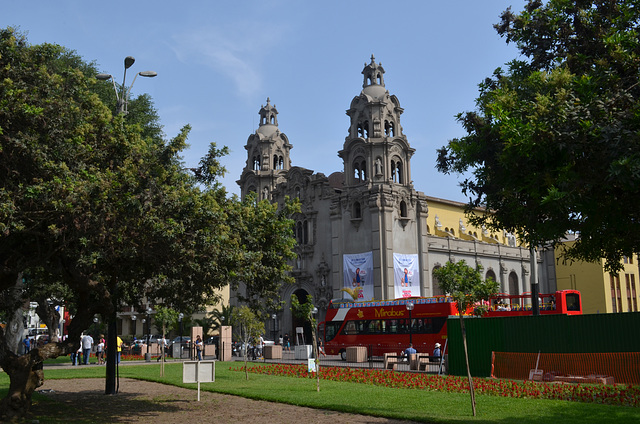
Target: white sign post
(198, 372)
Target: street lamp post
(133, 325)
(180, 316)
(122, 98)
(273, 330)
(147, 357)
(112, 329)
(410, 306)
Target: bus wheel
(343, 355)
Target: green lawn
(416, 405)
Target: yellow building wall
(449, 214)
(594, 283)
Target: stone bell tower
(378, 210)
(267, 156)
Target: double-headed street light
(180, 317)
(122, 98)
(149, 311)
(112, 329)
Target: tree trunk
(466, 358)
(25, 376)
(48, 314)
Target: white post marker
(198, 372)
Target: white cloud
(234, 53)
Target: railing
(607, 368)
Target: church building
(366, 230)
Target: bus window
(573, 301)
(432, 325)
(332, 329)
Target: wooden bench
(391, 361)
(422, 362)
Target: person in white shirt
(87, 344)
(260, 345)
(162, 344)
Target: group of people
(435, 356)
(82, 355)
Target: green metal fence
(547, 333)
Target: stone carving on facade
(323, 291)
(463, 229)
(378, 167)
(503, 268)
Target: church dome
(375, 92)
(267, 130)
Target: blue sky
(218, 61)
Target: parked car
(151, 339)
(213, 340)
(185, 339)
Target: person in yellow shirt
(119, 344)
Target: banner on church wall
(406, 272)
(358, 272)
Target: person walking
(260, 345)
(87, 344)
(162, 343)
(100, 350)
(199, 347)
(286, 342)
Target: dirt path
(146, 402)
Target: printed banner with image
(358, 272)
(406, 272)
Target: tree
(306, 312)
(464, 284)
(222, 316)
(266, 237)
(93, 213)
(553, 147)
(251, 327)
(163, 317)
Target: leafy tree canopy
(553, 145)
(98, 211)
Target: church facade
(366, 226)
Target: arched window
(437, 290)
(359, 171)
(490, 274)
(357, 210)
(299, 232)
(275, 162)
(305, 232)
(389, 129)
(256, 163)
(403, 209)
(396, 171)
(513, 283)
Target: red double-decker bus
(388, 326)
(567, 302)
